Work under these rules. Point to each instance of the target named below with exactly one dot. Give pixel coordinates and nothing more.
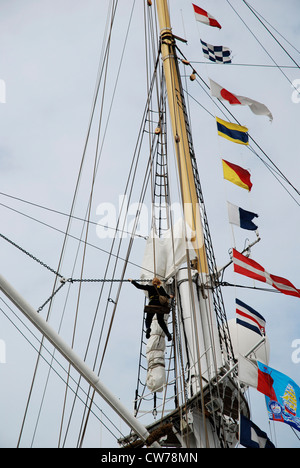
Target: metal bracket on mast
(247, 249)
(254, 348)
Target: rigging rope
(30, 255)
(260, 43)
(77, 218)
(253, 65)
(111, 254)
(69, 221)
(69, 280)
(275, 167)
(142, 195)
(275, 39)
(225, 283)
(81, 280)
(50, 364)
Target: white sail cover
(156, 375)
(163, 257)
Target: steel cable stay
(214, 303)
(91, 280)
(140, 394)
(198, 360)
(275, 171)
(117, 228)
(160, 214)
(161, 222)
(51, 366)
(98, 159)
(132, 238)
(141, 200)
(260, 19)
(224, 106)
(217, 301)
(62, 278)
(181, 345)
(76, 238)
(67, 230)
(137, 215)
(276, 30)
(264, 21)
(272, 170)
(73, 217)
(215, 390)
(161, 193)
(95, 166)
(130, 249)
(272, 167)
(180, 129)
(116, 256)
(179, 377)
(260, 43)
(101, 293)
(250, 65)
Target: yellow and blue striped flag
(233, 132)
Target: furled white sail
(156, 346)
(164, 255)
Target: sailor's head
(156, 282)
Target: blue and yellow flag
(233, 132)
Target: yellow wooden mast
(180, 135)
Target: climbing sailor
(157, 295)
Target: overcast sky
(49, 56)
